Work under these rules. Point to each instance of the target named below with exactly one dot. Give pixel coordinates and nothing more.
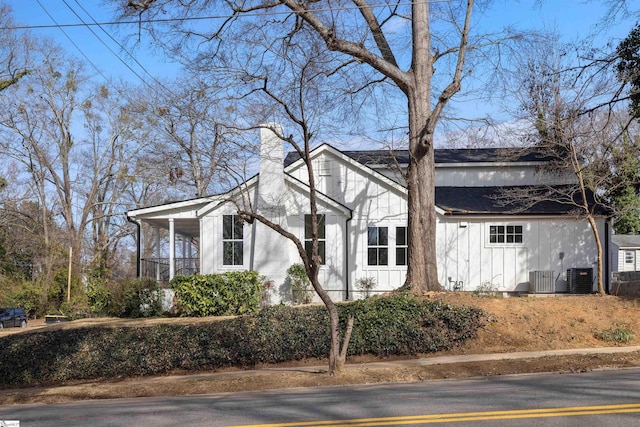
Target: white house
(362, 207)
(625, 252)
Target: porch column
(158, 254)
(183, 255)
(200, 239)
(192, 265)
(172, 249)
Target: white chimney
(272, 253)
(271, 189)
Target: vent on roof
(541, 282)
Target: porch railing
(159, 267)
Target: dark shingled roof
(495, 200)
(465, 155)
(626, 240)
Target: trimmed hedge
(398, 325)
(227, 294)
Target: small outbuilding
(625, 252)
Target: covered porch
(168, 239)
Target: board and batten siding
(271, 254)
(490, 175)
(465, 253)
(374, 203)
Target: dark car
(13, 317)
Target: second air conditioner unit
(541, 282)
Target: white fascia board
(362, 168)
(248, 186)
(223, 198)
(168, 207)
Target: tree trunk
(599, 270)
(422, 271)
(336, 365)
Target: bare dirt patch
(514, 325)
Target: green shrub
(403, 324)
(383, 326)
(366, 285)
(32, 296)
(301, 289)
(619, 333)
(139, 298)
(125, 298)
(231, 293)
(99, 296)
(77, 308)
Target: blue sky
(573, 19)
(92, 44)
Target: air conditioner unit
(541, 282)
(580, 280)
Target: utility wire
(107, 80)
(73, 42)
(204, 18)
(121, 47)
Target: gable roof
(294, 157)
(626, 240)
(442, 156)
(492, 200)
(252, 182)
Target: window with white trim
(508, 234)
(308, 239)
(401, 245)
(629, 257)
(232, 240)
(378, 246)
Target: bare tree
(114, 136)
(301, 99)
(36, 113)
(554, 98)
(80, 181)
(379, 36)
(187, 139)
(14, 51)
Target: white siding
(332, 275)
(465, 254)
(623, 265)
(374, 203)
(271, 254)
(495, 175)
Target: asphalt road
(604, 398)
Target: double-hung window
(308, 239)
(401, 245)
(232, 243)
(505, 234)
(378, 245)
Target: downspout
(607, 260)
(347, 249)
(253, 245)
(138, 245)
